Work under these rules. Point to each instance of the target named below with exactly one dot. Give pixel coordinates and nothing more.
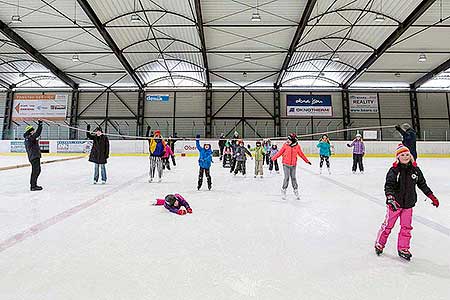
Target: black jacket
(100, 148)
(222, 142)
(32, 143)
(401, 181)
(409, 140)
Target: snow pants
(404, 236)
(290, 173)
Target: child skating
(204, 161)
(325, 152)
(272, 163)
(290, 150)
(401, 197)
(240, 155)
(226, 160)
(168, 153)
(260, 156)
(358, 153)
(175, 204)
(156, 146)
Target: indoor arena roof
(225, 43)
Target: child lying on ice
(175, 203)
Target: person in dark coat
(99, 152)
(240, 155)
(222, 142)
(409, 138)
(171, 141)
(31, 137)
(204, 162)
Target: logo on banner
(363, 103)
(28, 107)
(161, 98)
(309, 105)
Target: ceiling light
(322, 74)
(135, 18)
(336, 57)
(256, 17)
(16, 19)
(21, 74)
(379, 18)
(397, 74)
(75, 58)
(422, 58)
(244, 74)
(94, 74)
(247, 57)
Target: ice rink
(75, 240)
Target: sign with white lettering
(309, 105)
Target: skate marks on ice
(37, 228)
(417, 218)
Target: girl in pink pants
(401, 197)
(175, 204)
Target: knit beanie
(28, 128)
(401, 149)
(292, 137)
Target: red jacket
(290, 154)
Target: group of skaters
(400, 186)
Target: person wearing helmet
(358, 153)
(31, 137)
(240, 155)
(156, 146)
(204, 162)
(409, 138)
(290, 150)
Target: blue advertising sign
(162, 98)
(309, 105)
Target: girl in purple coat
(175, 204)
(358, 153)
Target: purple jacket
(181, 202)
(358, 147)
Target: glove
(348, 145)
(397, 127)
(309, 163)
(88, 128)
(363, 154)
(434, 199)
(390, 201)
(181, 212)
(197, 136)
(189, 210)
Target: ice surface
(241, 242)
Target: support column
(277, 112)
(107, 112)
(243, 113)
(7, 121)
(208, 112)
(73, 122)
(174, 115)
(379, 116)
(415, 112)
(345, 112)
(140, 113)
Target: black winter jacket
(241, 153)
(100, 148)
(409, 140)
(32, 143)
(401, 181)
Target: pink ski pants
(404, 236)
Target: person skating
(99, 152)
(31, 137)
(156, 146)
(171, 141)
(290, 150)
(175, 204)
(325, 152)
(240, 155)
(267, 147)
(358, 153)
(167, 154)
(234, 145)
(227, 152)
(222, 142)
(204, 162)
(409, 138)
(401, 197)
(259, 155)
(272, 163)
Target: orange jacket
(290, 154)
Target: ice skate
(209, 187)
(94, 182)
(150, 180)
(36, 188)
(283, 194)
(254, 176)
(297, 196)
(354, 172)
(261, 176)
(378, 249)
(160, 179)
(320, 172)
(103, 181)
(329, 171)
(405, 254)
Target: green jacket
(259, 153)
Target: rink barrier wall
(188, 148)
(42, 163)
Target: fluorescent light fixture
(75, 58)
(322, 74)
(397, 74)
(247, 57)
(256, 17)
(160, 58)
(244, 74)
(336, 57)
(379, 18)
(135, 18)
(16, 19)
(422, 58)
(94, 74)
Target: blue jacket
(205, 158)
(325, 148)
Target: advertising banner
(19, 146)
(363, 103)
(28, 107)
(309, 105)
(73, 146)
(161, 98)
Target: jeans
(96, 166)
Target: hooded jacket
(205, 159)
(100, 148)
(325, 148)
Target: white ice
(241, 242)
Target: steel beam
(298, 34)
(109, 40)
(140, 113)
(277, 112)
(73, 133)
(436, 71)
(208, 112)
(30, 50)
(345, 112)
(401, 29)
(415, 112)
(201, 33)
(7, 121)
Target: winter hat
(29, 128)
(258, 143)
(241, 141)
(292, 137)
(406, 126)
(358, 135)
(157, 132)
(401, 149)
